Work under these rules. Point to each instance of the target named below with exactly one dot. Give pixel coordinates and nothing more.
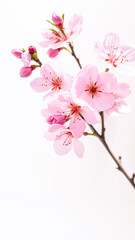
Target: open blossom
(56, 37)
(53, 79)
(64, 140)
(66, 109)
(121, 91)
(112, 52)
(96, 88)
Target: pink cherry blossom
(96, 89)
(121, 91)
(54, 79)
(73, 109)
(17, 52)
(56, 37)
(112, 52)
(70, 110)
(64, 140)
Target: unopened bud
(26, 71)
(32, 49)
(85, 133)
(17, 52)
(53, 52)
(57, 20)
(57, 119)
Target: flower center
(68, 137)
(93, 89)
(56, 83)
(116, 57)
(74, 108)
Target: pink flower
(26, 71)
(53, 79)
(17, 52)
(56, 37)
(96, 89)
(68, 110)
(57, 20)
(113, 53)
(64, 140)
(121, 91)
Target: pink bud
(26, 71)
(53, 52)
(17, 52)
(57, 119)
(32, 49)
(57, 20)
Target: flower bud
(17, 52)
(26, 71)
(57, 20)
(32, 49)
(57, 119)
(53, 52)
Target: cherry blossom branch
(102, 136)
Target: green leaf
(53, 30)
(52, 23)
(63, 17)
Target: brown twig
(74, 55)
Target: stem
(38, 61)
(74, 55)
(103, 125)
(102, 136)
(119, 166)
(117, 161)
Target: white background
(44, 196)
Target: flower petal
(40, 85)
(102, 101)
(122, 90)
(91, 117)
(60, 148)
(78, 147)
(111, 41)
(77, 126)
(107, 81)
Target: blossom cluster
(77, 101)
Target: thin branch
(74, 55)
(102, 125)
(117, 161)
(38, 61)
